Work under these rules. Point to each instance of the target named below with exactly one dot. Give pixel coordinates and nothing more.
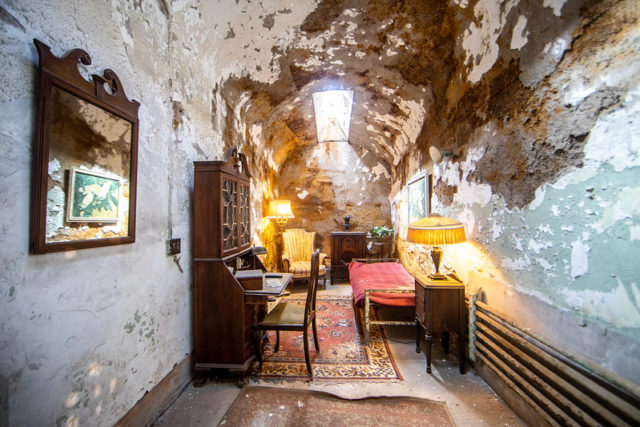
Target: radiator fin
(560, 390)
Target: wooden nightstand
(440, 308)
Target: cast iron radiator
(559, 390)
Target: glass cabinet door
(229, 214)
(245, 232)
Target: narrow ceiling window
(333, 114)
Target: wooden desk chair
(292, 317)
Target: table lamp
(436, 230)
(280, 210)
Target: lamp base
(436, 255)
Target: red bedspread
(382, 275)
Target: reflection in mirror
(85, 157)
(88, 171)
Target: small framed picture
(419, 196)
(93, 197)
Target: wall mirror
(85, 157)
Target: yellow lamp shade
(280, 209)
(436, 230)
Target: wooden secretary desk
(225, 311)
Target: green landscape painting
(417, 192)
(93, 197)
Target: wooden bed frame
(367, 303)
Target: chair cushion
(303, 269)
(285, 314)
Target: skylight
(333, 114)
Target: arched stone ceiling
(424, 72)
(393, 55)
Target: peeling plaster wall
(84, 334)
(546, 182)
(536, 101)
(224, 60)
(87, 333)
(266, 102)
(330, 181)
(515, 90)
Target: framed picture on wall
(419, 197)
(93, 197)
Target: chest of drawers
(440, 308)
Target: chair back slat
(298, 243)
(310, 303)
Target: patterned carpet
(267, 406)
(342, 354)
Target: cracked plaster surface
(63, 342)
(542, 127)
(519, 111)
(568, 241)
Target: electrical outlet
(173, 247)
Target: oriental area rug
(269, 406)
(342, 353)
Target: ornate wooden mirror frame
(83, 191)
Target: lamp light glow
(436, 230)
(280, 210)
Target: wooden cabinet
(221, 216)
(440, 308)
(224, 313)
(345, 245)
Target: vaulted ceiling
(423, 73)
(396, 56)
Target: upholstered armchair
(296, 254)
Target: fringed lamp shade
(436, 230)
(280, 210)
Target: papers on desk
(257, 280)
(272, 282)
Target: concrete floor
(470, 400)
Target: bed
(381, 281)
